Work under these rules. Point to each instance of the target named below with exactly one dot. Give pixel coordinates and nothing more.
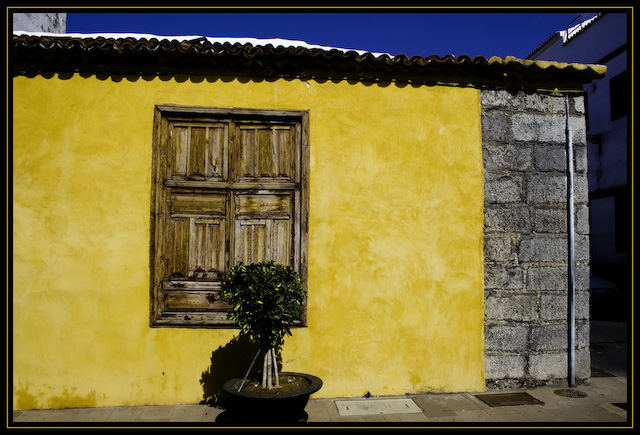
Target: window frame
(618, 96)
(164, 115)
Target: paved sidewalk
(603, 405)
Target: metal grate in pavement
(508, 399)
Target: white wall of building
(40, 22)
(602, 42)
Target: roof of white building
(573, 31)
(567, 34)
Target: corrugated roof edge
(276, 42)
(544, 64)
(567, 36)
(35, 53)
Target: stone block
(550, 158)
(578, 130)
(549, 337)
(495, 98)
(507, 157)
(543, 248)
(553, 306)
(495, 126)
(500, 188)
(497, 276)
(582, 278)
(578, 104)
(581, 222)
(498, 249)
(543, 188)
(506, 338)
(548, 220)
(521, 101)
(581, 304)
(580, 158)
(581, 248)
(582, 333)
(554, 158)
(507, 219)
(503, 366)
(543, 103)
(580, 188)
(538, 127)
(545, 366)
(547, 278)
(519, 307)
(582, 364)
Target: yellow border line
(504, 8)
(7, 214)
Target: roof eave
(551, 39)
(32, 55)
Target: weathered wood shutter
(228, 185)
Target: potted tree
(266, 299)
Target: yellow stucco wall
(395, 241)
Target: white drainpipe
(571, 323)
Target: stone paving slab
(460, 402)
(432, 407)
(319, 410)
(126, 414)
(196, 413)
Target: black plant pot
(265, 408)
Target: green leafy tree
(266, 299)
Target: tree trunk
(264, 371)
(270, 374)
(275, 368)
(269, 382)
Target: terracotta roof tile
(46, 54)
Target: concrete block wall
(525, 238)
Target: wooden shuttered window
(228, 185)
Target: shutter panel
(266, 153)
(197, 242)
(196, 223)
(263, 219)
(198, 151)
(177, 241)
(226, 188)
(263, 229)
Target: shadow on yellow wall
(212, 78)
(229, 361)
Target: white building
(40, 22)
(603, 40)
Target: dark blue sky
(482, 33)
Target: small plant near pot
(266, 299)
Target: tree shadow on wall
(229, 361)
